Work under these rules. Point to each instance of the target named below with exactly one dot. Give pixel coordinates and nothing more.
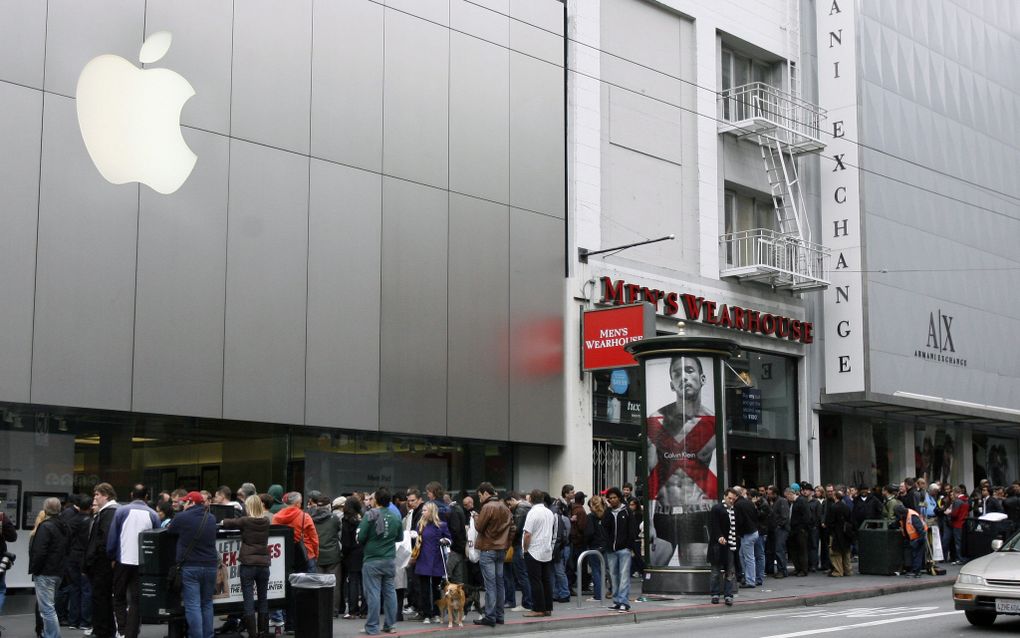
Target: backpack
(561, 533)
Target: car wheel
(980, 618)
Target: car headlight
(969, 579)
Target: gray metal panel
(347, 73)
(113, 26)
(22, 42)
(536, 328)
(479, 118)
(485, 19)
(178, 364)
(533, 41)
(536, 135)
(200, 52)
(437, 11)
(19, 192)
(85, 285)
(271, 90)
(344, 252)
(416, 106)
(267, 247)
(479, 304)
(414, 309)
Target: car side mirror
(996, 545)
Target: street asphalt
(780, 609)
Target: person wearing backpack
(561, 549)
(622, 531)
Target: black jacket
(747, 516)
(47, 551)
(457, 522)
(781, 513)
(96, 557)
(993, 505)
(837, 521)
(78, 526)
(8, 534)
(719, 527)
(353, 553)
(621, 529)
(1012, 508)
(596, 536)
(764, 515)
(800, 514)
(867, 509)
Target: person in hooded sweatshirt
(47, 555)
(255, 561)
(276, 491)
(327, 526)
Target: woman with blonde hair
(255, 561)
(430, 565)
(47, 554)
(596, 537)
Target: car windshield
(1012, 545)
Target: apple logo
(130, 118)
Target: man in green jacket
(378, 533)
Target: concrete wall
(372, 237)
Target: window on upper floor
(739, 70)
(746, 213)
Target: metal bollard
(580, 564)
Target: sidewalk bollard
(580, 564)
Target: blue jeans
(619, 574)
(509, 585)
(521, 576)
(254, 583)
(723, 575)
(747, 545)
(597, 578)
(3, 590)
(45, 591)
(198, 582)
(561, 588)
(491, 563)
(377, 576)
(759, 559)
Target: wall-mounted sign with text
(607, 330)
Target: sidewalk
(815, 589)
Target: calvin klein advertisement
(682, 476)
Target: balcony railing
(782, 261)
(758, 108)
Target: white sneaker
(426, 621)
(520, 608)
(88, 632)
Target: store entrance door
(614, 463)
(756, 469)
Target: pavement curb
(651, 614)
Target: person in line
(538, 554)
(122, 546)
(409, 597)
(493, 528)
(75, 595)
(520, 507)
(98, 567)
(430, 566)
(764, 513)
(913, 528)
(255, 561)
(957, 513)
(305, 535)
(47, 555)
(353, 557)
(195, 527)
(379, 532)
(622, 534)
(800, 528)
(276, 491)
(747, 532)
(327, 527)
(597, 537)
(562, 579)
(722, 552)
(841, 536)
(781, 533)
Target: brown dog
(451, 604)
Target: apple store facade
(320, 245)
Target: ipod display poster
(228, 573)
(681, 395)
(32, 462)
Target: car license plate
(1007, 606)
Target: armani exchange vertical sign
(841, 204)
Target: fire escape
(784, 127)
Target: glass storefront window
(761, 395)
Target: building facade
(360, 282)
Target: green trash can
(879, 548)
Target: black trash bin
(977, 538)
(313, 604)
(879, 548)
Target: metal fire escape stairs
(784, 127)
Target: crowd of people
(805, 528)
(391, 553)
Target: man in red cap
(196, 552)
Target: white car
(990, 585)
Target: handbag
(415, 551)
(174, 578)
(509, 555)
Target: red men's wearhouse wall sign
(606, 331)
(709, 312)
